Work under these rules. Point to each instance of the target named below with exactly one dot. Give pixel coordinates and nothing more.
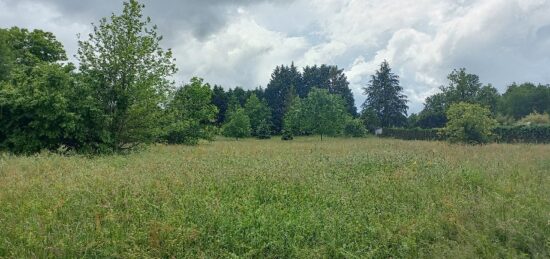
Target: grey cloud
(201, 17)
(239, 42)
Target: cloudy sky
(239, 42)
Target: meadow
(336, 198)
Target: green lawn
(306, 198)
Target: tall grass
(336, 198)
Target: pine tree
(385, 97)
(280, 91)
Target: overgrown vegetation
(367, 198)
(469, 123)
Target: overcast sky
(239, 42)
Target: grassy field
(336, 198)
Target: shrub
(536, 119)
(469, 123)
(354, 128)
(183, 132)
(287, 135)
(264, 130)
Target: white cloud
(502, 41)
(244, 53)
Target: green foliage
(462, 87)
(433, 115)
(287, 135)
(322, 113)
(238, 125)
(536, 118)
(523, 134)
(37, 111)
(370, 119)
(385, 97)
(520, 100)
(325, 113)
(412, 134)
(280, 92)
(220, 100)
(123, 63)
(264, 130)
(6, 56)
(26, 49)
(330, 78)
(469, 123)
(295, 118)
(287, 82)
(354, 128)
(259, 114)
(191, 114)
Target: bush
(238, 125)
(536, 119)
(264, 130)
(182, 132)
(287, 135)
(525, 134)
(354, 128)
(469, 123)
(412, 134)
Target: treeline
(465, 110)
(120, 95)
(518, 102)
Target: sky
(239, 42)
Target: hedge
(501, 134)
(523, 134)
(412, 134)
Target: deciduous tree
(123, 63)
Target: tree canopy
(128, 71)
(385, 97)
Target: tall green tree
(370, 119)
(281, 91)
(30, 48)
(325, 113)
(123, 63)
(521, 100)
(6, 57)
(220, 100)
(191, 115)
(238, 125)
(385, 97)
(258, 112)
(462, 87)
(433, 115)
(41, 105)
(330, 78)
(320, 113)
(295, 118)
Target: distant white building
(378, 131)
